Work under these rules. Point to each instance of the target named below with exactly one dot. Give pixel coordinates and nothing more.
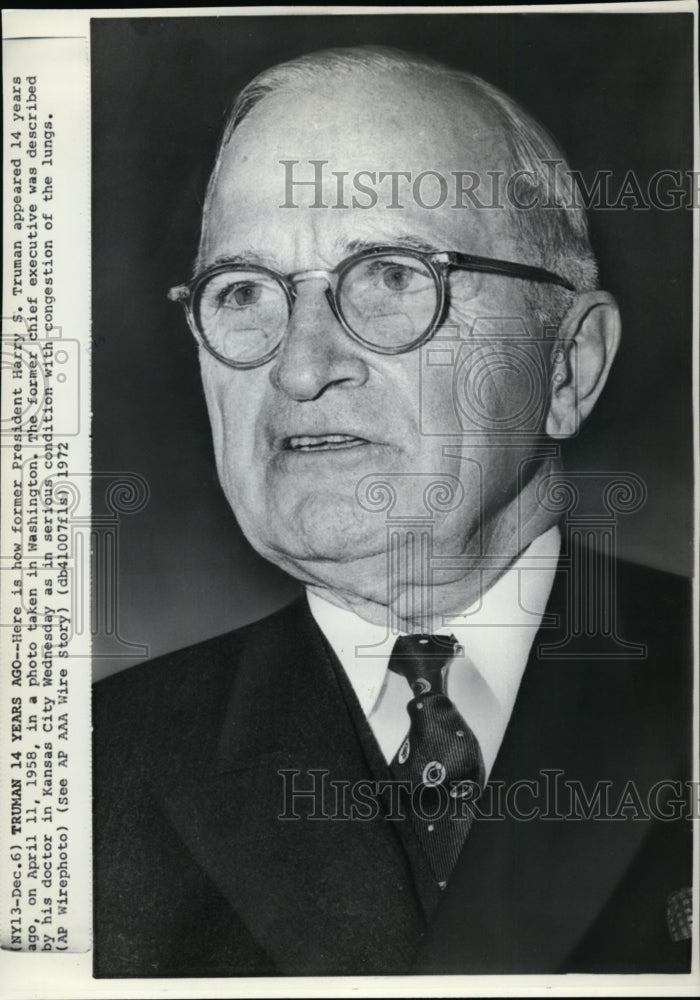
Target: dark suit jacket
(196, 875)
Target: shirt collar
(496, 631)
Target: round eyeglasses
(387, 299)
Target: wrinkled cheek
(213, 393)
(499, 367)
(223, 430)
(501, 389)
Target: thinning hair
(552, 234)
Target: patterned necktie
(441, 757)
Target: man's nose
(316, 352)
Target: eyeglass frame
(437, 262)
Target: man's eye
(243, 294)
(394, 275)
(397, 277)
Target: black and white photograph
(392, 365)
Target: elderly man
(367, 781)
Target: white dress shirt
(496, 634)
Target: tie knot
(421, 658)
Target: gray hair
(555, 231)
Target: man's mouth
(323, 442)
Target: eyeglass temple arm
(489, 265)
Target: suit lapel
(345, 882)
(524, 892)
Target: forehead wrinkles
(405, 129)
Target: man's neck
(453, 581)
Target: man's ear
(586, 344)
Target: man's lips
(322, 442)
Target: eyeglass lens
(242, 314)
(388, 301)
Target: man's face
(360, 411)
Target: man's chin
(321, 528)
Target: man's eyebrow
(404, 241)
(250, 257)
